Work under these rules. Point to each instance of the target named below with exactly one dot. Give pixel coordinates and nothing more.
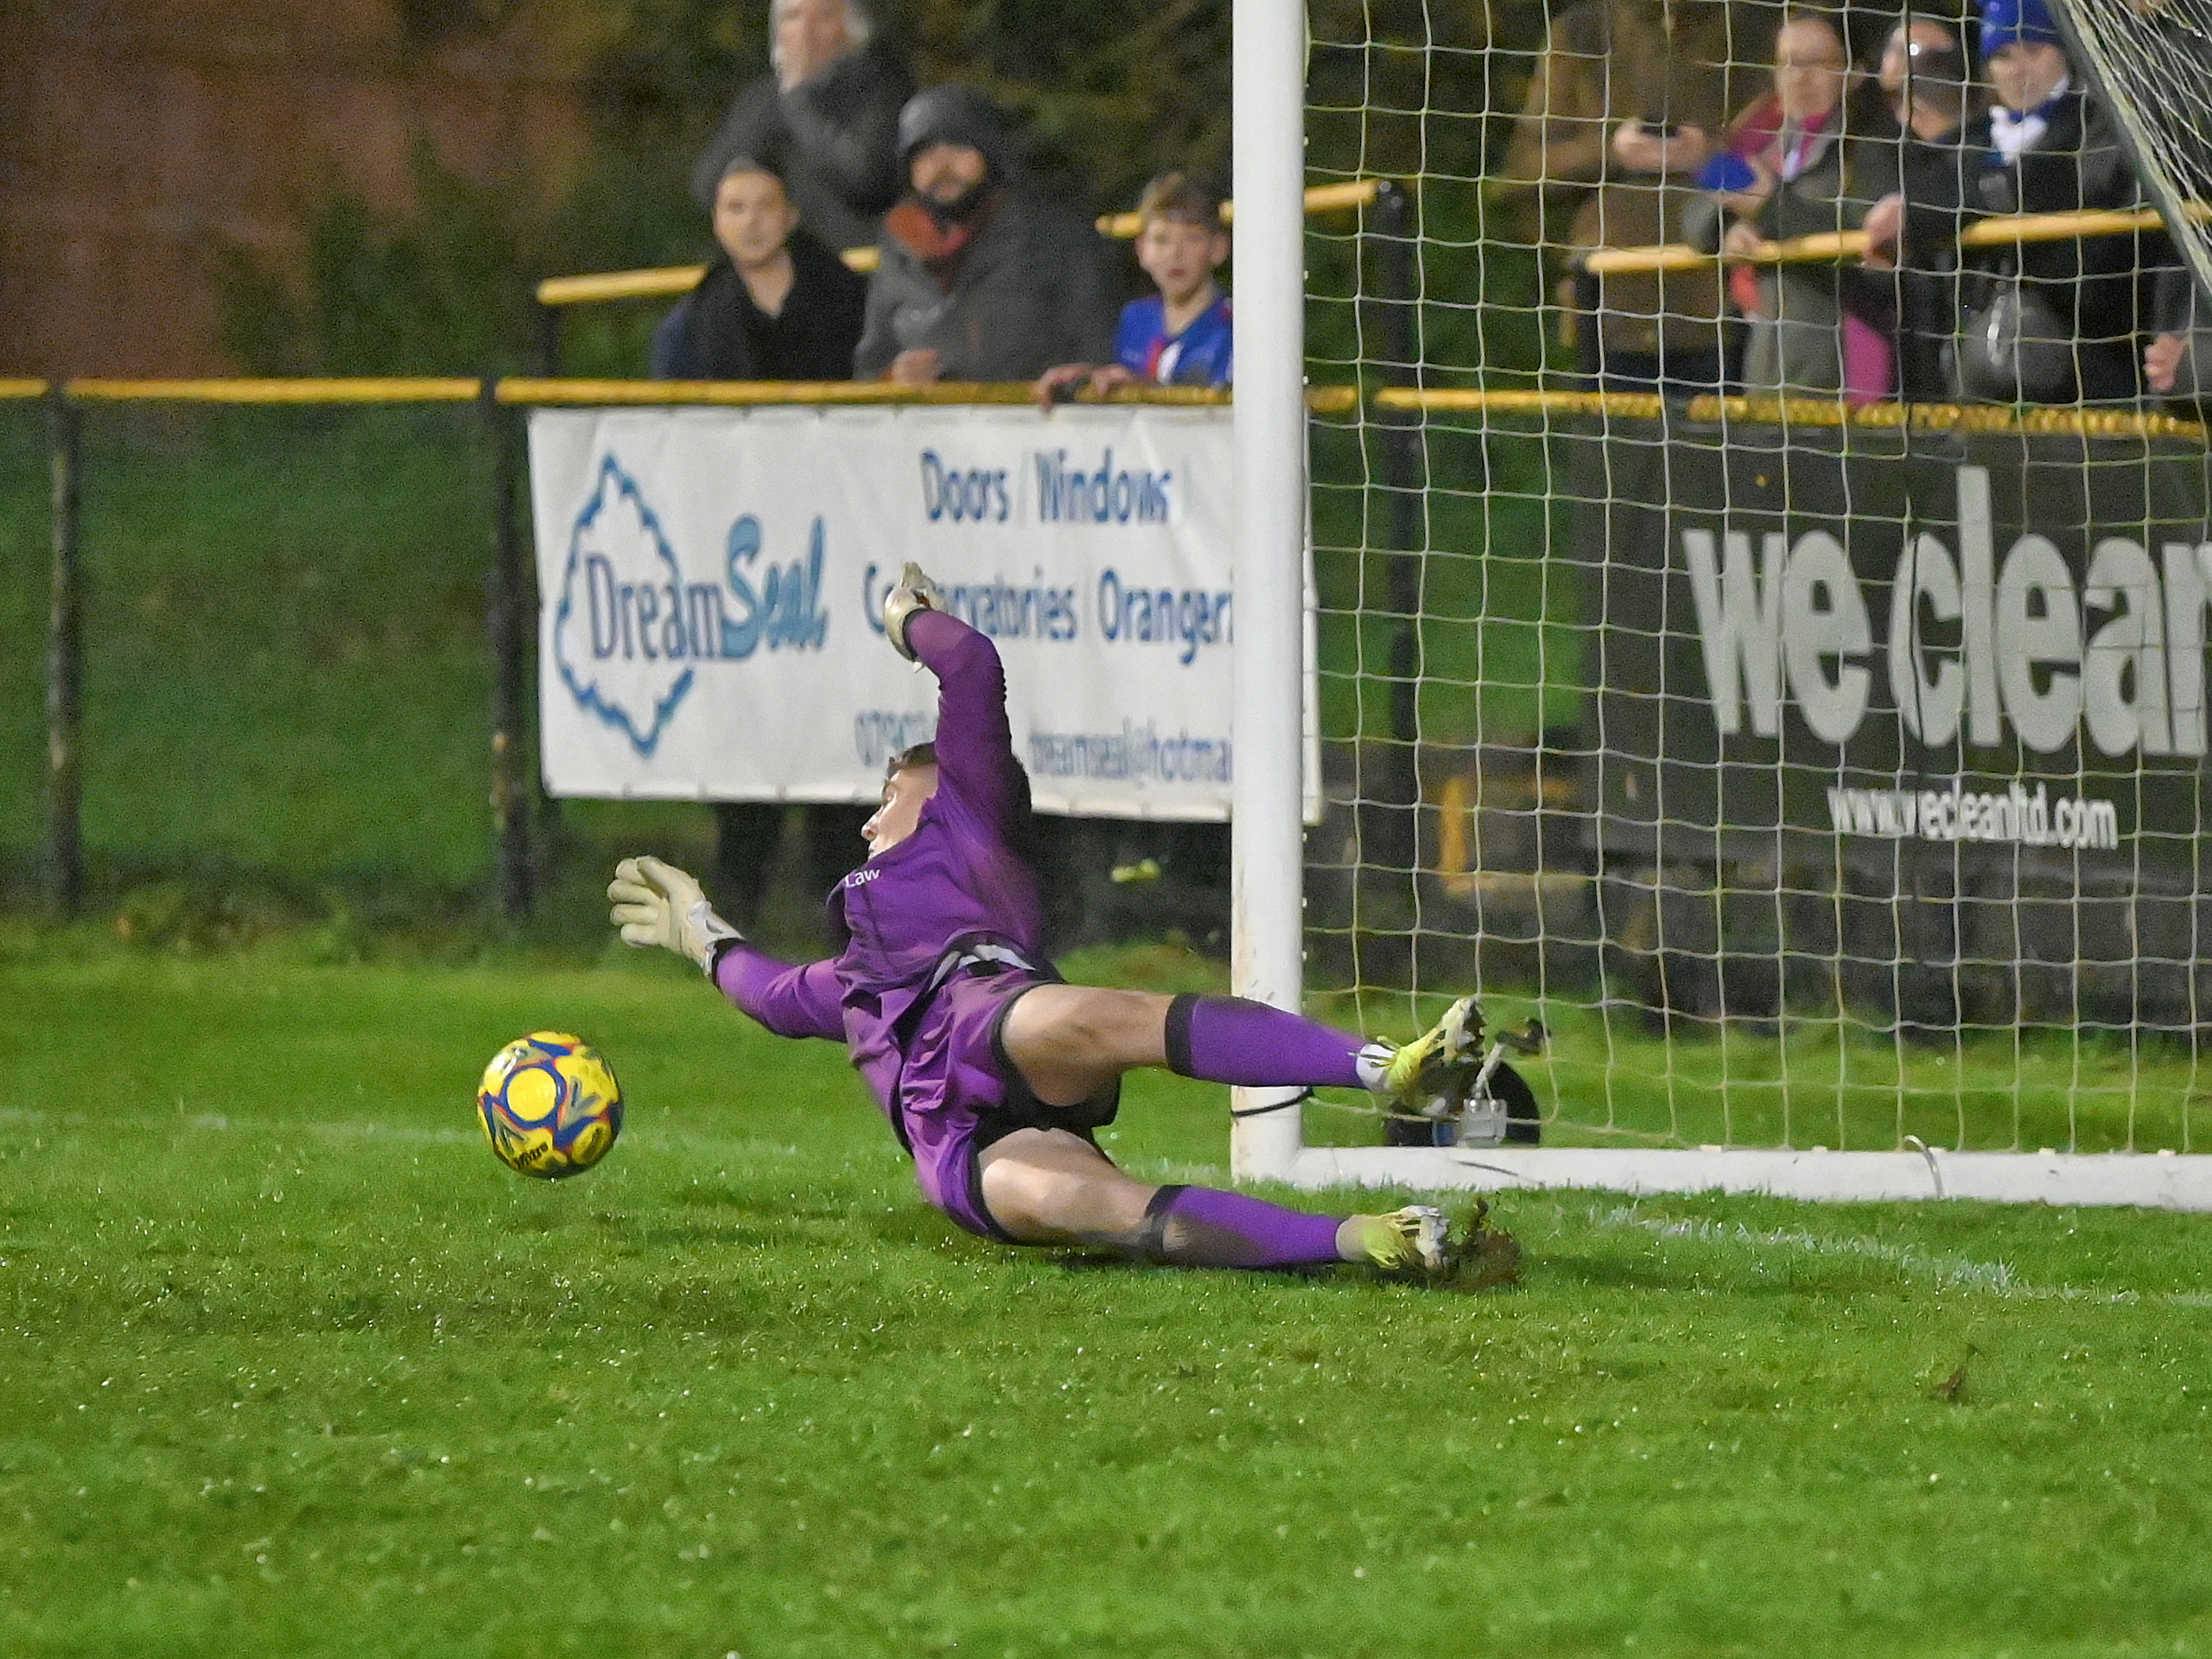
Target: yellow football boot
(1411, 1242)
(1440, 1065)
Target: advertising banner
(1923, 715)
(712, 581)
(1975, 640)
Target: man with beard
(982, 277)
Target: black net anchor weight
(1499, 1106)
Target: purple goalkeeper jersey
(957, 877)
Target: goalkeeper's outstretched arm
(657, 903)
(975, 741)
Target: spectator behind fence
(2178, 363)
(2039, 322)
(2170, 360)
(1183, 335)
(1626, 105)
(1926, 81)
(826, 119)
(983, 277)
(1168, 874)
(776, 306)
(1795, 165)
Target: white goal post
(1269, 920)
(1267, 854)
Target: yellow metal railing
(507, 624)
(1476, 400)
(746, 393)
(533, 391)
(2002, 230)
(2095, 423)
(668, 281)
(1501, 402)
(397, 389)
(665, 282)
(1319, 198)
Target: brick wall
(142, 138)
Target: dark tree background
(1105, 95)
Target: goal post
(1829, 779)
(1267, 844)
(2151, 64)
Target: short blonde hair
(858, 27)
(1179, 197)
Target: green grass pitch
(288, 1364)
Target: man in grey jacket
(983, 276)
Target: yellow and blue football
(550, 1105)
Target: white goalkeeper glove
(657, 903)
(914, 592)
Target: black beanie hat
(954, 114)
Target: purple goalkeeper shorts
(958, 1093)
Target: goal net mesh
(2151, 62)
(1810, 731)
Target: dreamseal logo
(629, 631)
(1797, 622)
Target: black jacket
(2044, 322)
(1936, 176)
(717, 333)
(834, 137)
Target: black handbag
(2013, 347)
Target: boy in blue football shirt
(1181, 335)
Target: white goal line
(2161, 1181)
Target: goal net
(2151, 64)
(1715, 666)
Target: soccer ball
(550, 1106)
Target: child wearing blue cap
(2027, 58)
(2055, 322)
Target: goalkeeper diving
(995, 1073)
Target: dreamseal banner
(712, 581)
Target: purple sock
(1230, 1040)
(1204, 1227)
